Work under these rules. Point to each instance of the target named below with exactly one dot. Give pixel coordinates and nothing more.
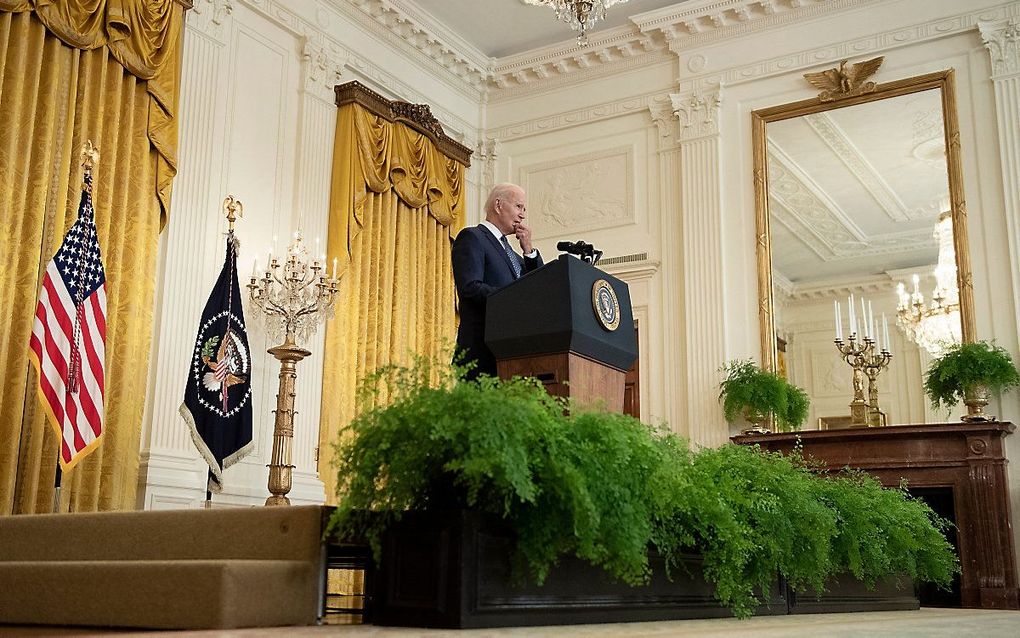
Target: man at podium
(484, 262)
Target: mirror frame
(944, 81)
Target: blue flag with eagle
(217, 399)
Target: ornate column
(701, 221)
(171, 473)
(322, 67)
(673, 369)
(1002, 39)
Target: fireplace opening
(940, 499)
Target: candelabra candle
(294, 296)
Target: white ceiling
(499, 28)
(856, 191)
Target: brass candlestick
(295, 298)
(873, 364)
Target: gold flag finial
(232, 208)
(89, 156)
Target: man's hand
(523, 234)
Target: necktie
(514, 261)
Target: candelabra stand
(294, 298)
(873, 364)
(855, 353)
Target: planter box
(452, 570)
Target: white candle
(334, 267)
(254, 267)
(853, 318)
(269, 260)
(885, 331)
(864, 319)
(835, 309)
(917, 281)
(871, 321)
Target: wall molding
(884, 41)
(577, 117)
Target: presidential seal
(606, 305)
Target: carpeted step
(284, 533)
(163, 594)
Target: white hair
(500, 191)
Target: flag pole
(89, 156)
(208, 492)
(56, 487)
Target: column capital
(698, 113)
(664, 118)
(323, 65)
(488, 151)
(1002, 39)
(209, 17)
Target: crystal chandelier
(581, 15)
(936, 326)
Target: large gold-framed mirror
(850, 189)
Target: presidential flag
(217, 398)
(68, 344)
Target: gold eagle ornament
(843, 82)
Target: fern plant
(605, 487)
(966, 365)
(754, 393)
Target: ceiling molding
(694, 24)
(858, 286)
(422, 40)
(374, 76)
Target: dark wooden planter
(452, 570)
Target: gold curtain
(395, 205)
(105, 70)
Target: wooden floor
(924, 623)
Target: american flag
(68, 345)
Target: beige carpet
(925, 623)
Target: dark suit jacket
(480, 268)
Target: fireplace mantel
(968, 458)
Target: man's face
(510, 211)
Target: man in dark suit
(484, 262)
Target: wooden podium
(568, 324)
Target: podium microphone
(582, 249)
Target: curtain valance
(382, 145)
(145, 38)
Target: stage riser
(182, 569)
(159, 594)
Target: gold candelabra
(294, 295)
(855, 353)
(866, 357)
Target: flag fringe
(215, 485)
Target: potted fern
(757, 395)
(970, 371)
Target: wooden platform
(181, 569)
